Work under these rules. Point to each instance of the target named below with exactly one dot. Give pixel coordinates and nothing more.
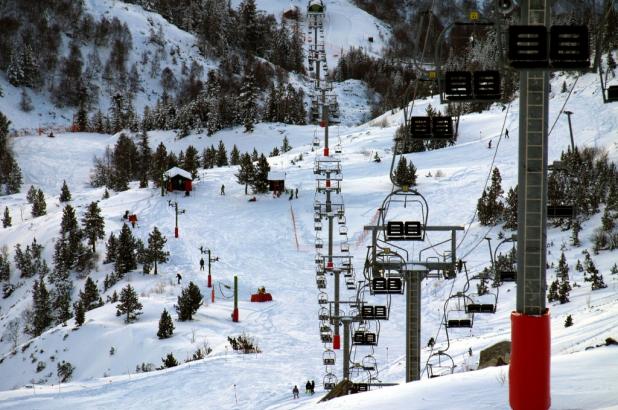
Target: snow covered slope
(265, 246)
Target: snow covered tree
(489, 207)
(607, 221)
(576, 227)
(189, 302)
(249, 27)
(81, 118)
(285, 147)
(401, 172)
(90, 297)
(125, 255)
(6, 218)
(563, 291)
(156, 253)
(31, 195)
(247, 103)
(166, 325)
(129, 304)
(569, 321)
(254, 155)
(41, 318)
(65, 194)
(246, 172)
(275, 152)
(5, 265)
(260, 179)
(10, 174)
(578, 266)
(235, 156)
(552, 293)
(65, 371)
(80, 314)
(14, 71)
(39, 207)
(93, 224)
(614, 269)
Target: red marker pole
(235, 312)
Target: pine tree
(125, 255)
(129, 304)
(563, 291)
(246, 172)
(575, 234)
(552, 293)
(401, 172)
(275, 152)
(209, 157)
(41, 318)
(31, 195)
(14, 71)
(166, 325)
(510, 210)
(6, 219)
(569, 321)
(39, 207)
(578, 266)
(71, 235)
(65, 194)
(254, 156)
(192, 161)
(5, 265)
(607, 221)
(156, 253)
(93, 224)
(105, 194)
(159, 164)
(189, 302)
(247, 102)
(25, 102)
(111, 248)
(169, 361)
(562, 270)
(13, 177)
(221, 155)
(80, 314)
(614, 269)
(411, 174)
(260, 180)
(90, 298)
(564, 87)
(285, 147)
(235, 156)
(144, 159)
(81, 118)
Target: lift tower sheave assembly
(529, 381)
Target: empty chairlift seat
(328, 358)
(508, 276)
(364, 338)
(480, 308)
(487, 85)
(458, 85)
(386, 285)
(442, 127)
(420, 127)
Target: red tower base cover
(529, 370)
(261, 297)
(336, 342)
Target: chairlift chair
(341, 220)
(455, 312)
(320, 282)
(329, 381)
(350, 284)
(386, 286)
(345, 247)
(343, 230)
(338, 149)
(326, 336)
(364, 338)
(318, 258)
(319, 243)
(317, 217)
(440, 364)
(323, 298)
(482, 303)
(369, 363)
(328, 357)
(323, 314)
(316, 142)
(317, 226)
(508, 275)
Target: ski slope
(258, 242)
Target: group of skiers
(309, 389)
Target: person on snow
(296, 192)
(51, 134)
(312, 386)
(222, 189)
(489, 145)
(201, 263)
(506, 134)
(308, 387)
(431, 342)
(295, 392)
(291, 195)
(179, 277)
(254, 199)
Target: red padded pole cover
(529, 371)
(336, 342)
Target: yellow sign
(387, 250)
(432, 75)
(474, 15)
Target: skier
(295, 392)
(431, 342)
(201, 263)
(308, 387)
(179, 277)
(222, 189)
(291, 195)
(51, 134)
(470, 351)
(506, 134)
(489, 145)
(296, 193)
(312, 386)
(254, 199)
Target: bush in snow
(65, 371)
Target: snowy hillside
(270, 243)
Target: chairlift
(328, 357)
(455, 314)
(485, 303)
(320, 282)
(350, 284)
(317, 205)
(338, 149)
(440, 364)
(369, 363)
(343, 230)
(329, 381)
(364, 337)
(341, 220)
(319, 243)
(316, 142)
(318, 258)
(317, 226)
(323, 314)
(323, 298)
(345, 247)
(326, 336)
(348, 273)
(370, 312)
(317, 217)
(385, 286)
